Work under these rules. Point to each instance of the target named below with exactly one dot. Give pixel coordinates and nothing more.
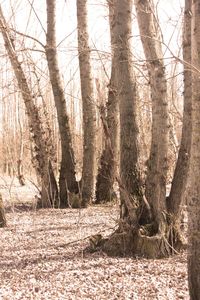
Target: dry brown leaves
(42, 257)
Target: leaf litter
(42, 256)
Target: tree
(129, 182)
(157, 163)
(194, 191)
(20, 174)
(108, 161)
(179, 182)
(2, 213)
(144, 227)
(49, 190)
(88, 105)
(67, 180)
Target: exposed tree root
(142, 243)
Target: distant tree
(20, 169)
(108, 161)
(88, 105)
(42, 149)
(67, 180)
(2, 213)
(194, 186)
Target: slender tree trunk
(4, 140)
(179, 182)
(194, 193)
(2, 213)
(49, 192)
(157, 163)
(108, 162)
(67, 180)
(20, 173)
(89, 113)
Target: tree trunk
(194, 193)
(179, 182)
(127, 93)
(108, 162)
(145, 234)
(67, 180)
(2, 213)
(89, 113)
(49, 192)
(20, 173)
(122, 241)
(157, 163)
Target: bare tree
(108, 162)
(121, 241)
(20, 169)
(88, 104)
(157, 163)
(67, 180)
(194, 193)
(179, 182)
(49, 192)
(143, 227)
(127, 93)
(7, 164)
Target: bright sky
(29, 16)
(169, 12)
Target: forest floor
(42, 256)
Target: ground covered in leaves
(42, 256)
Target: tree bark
(2, 213)
(179, 182)
(108, 162)
(124, 240)
(67, 180)
(194, 193)
(129, 180)
(146, 234)
(88, 105)
(157, 163)
(49, 191)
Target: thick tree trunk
(2, 213)
(88, 104)
(67, 180)
(49, 192)
(108, 162)
(157, 163)
(124, 239)
(146, 234)
(179, 182)
(194, 192)
(127, 93)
